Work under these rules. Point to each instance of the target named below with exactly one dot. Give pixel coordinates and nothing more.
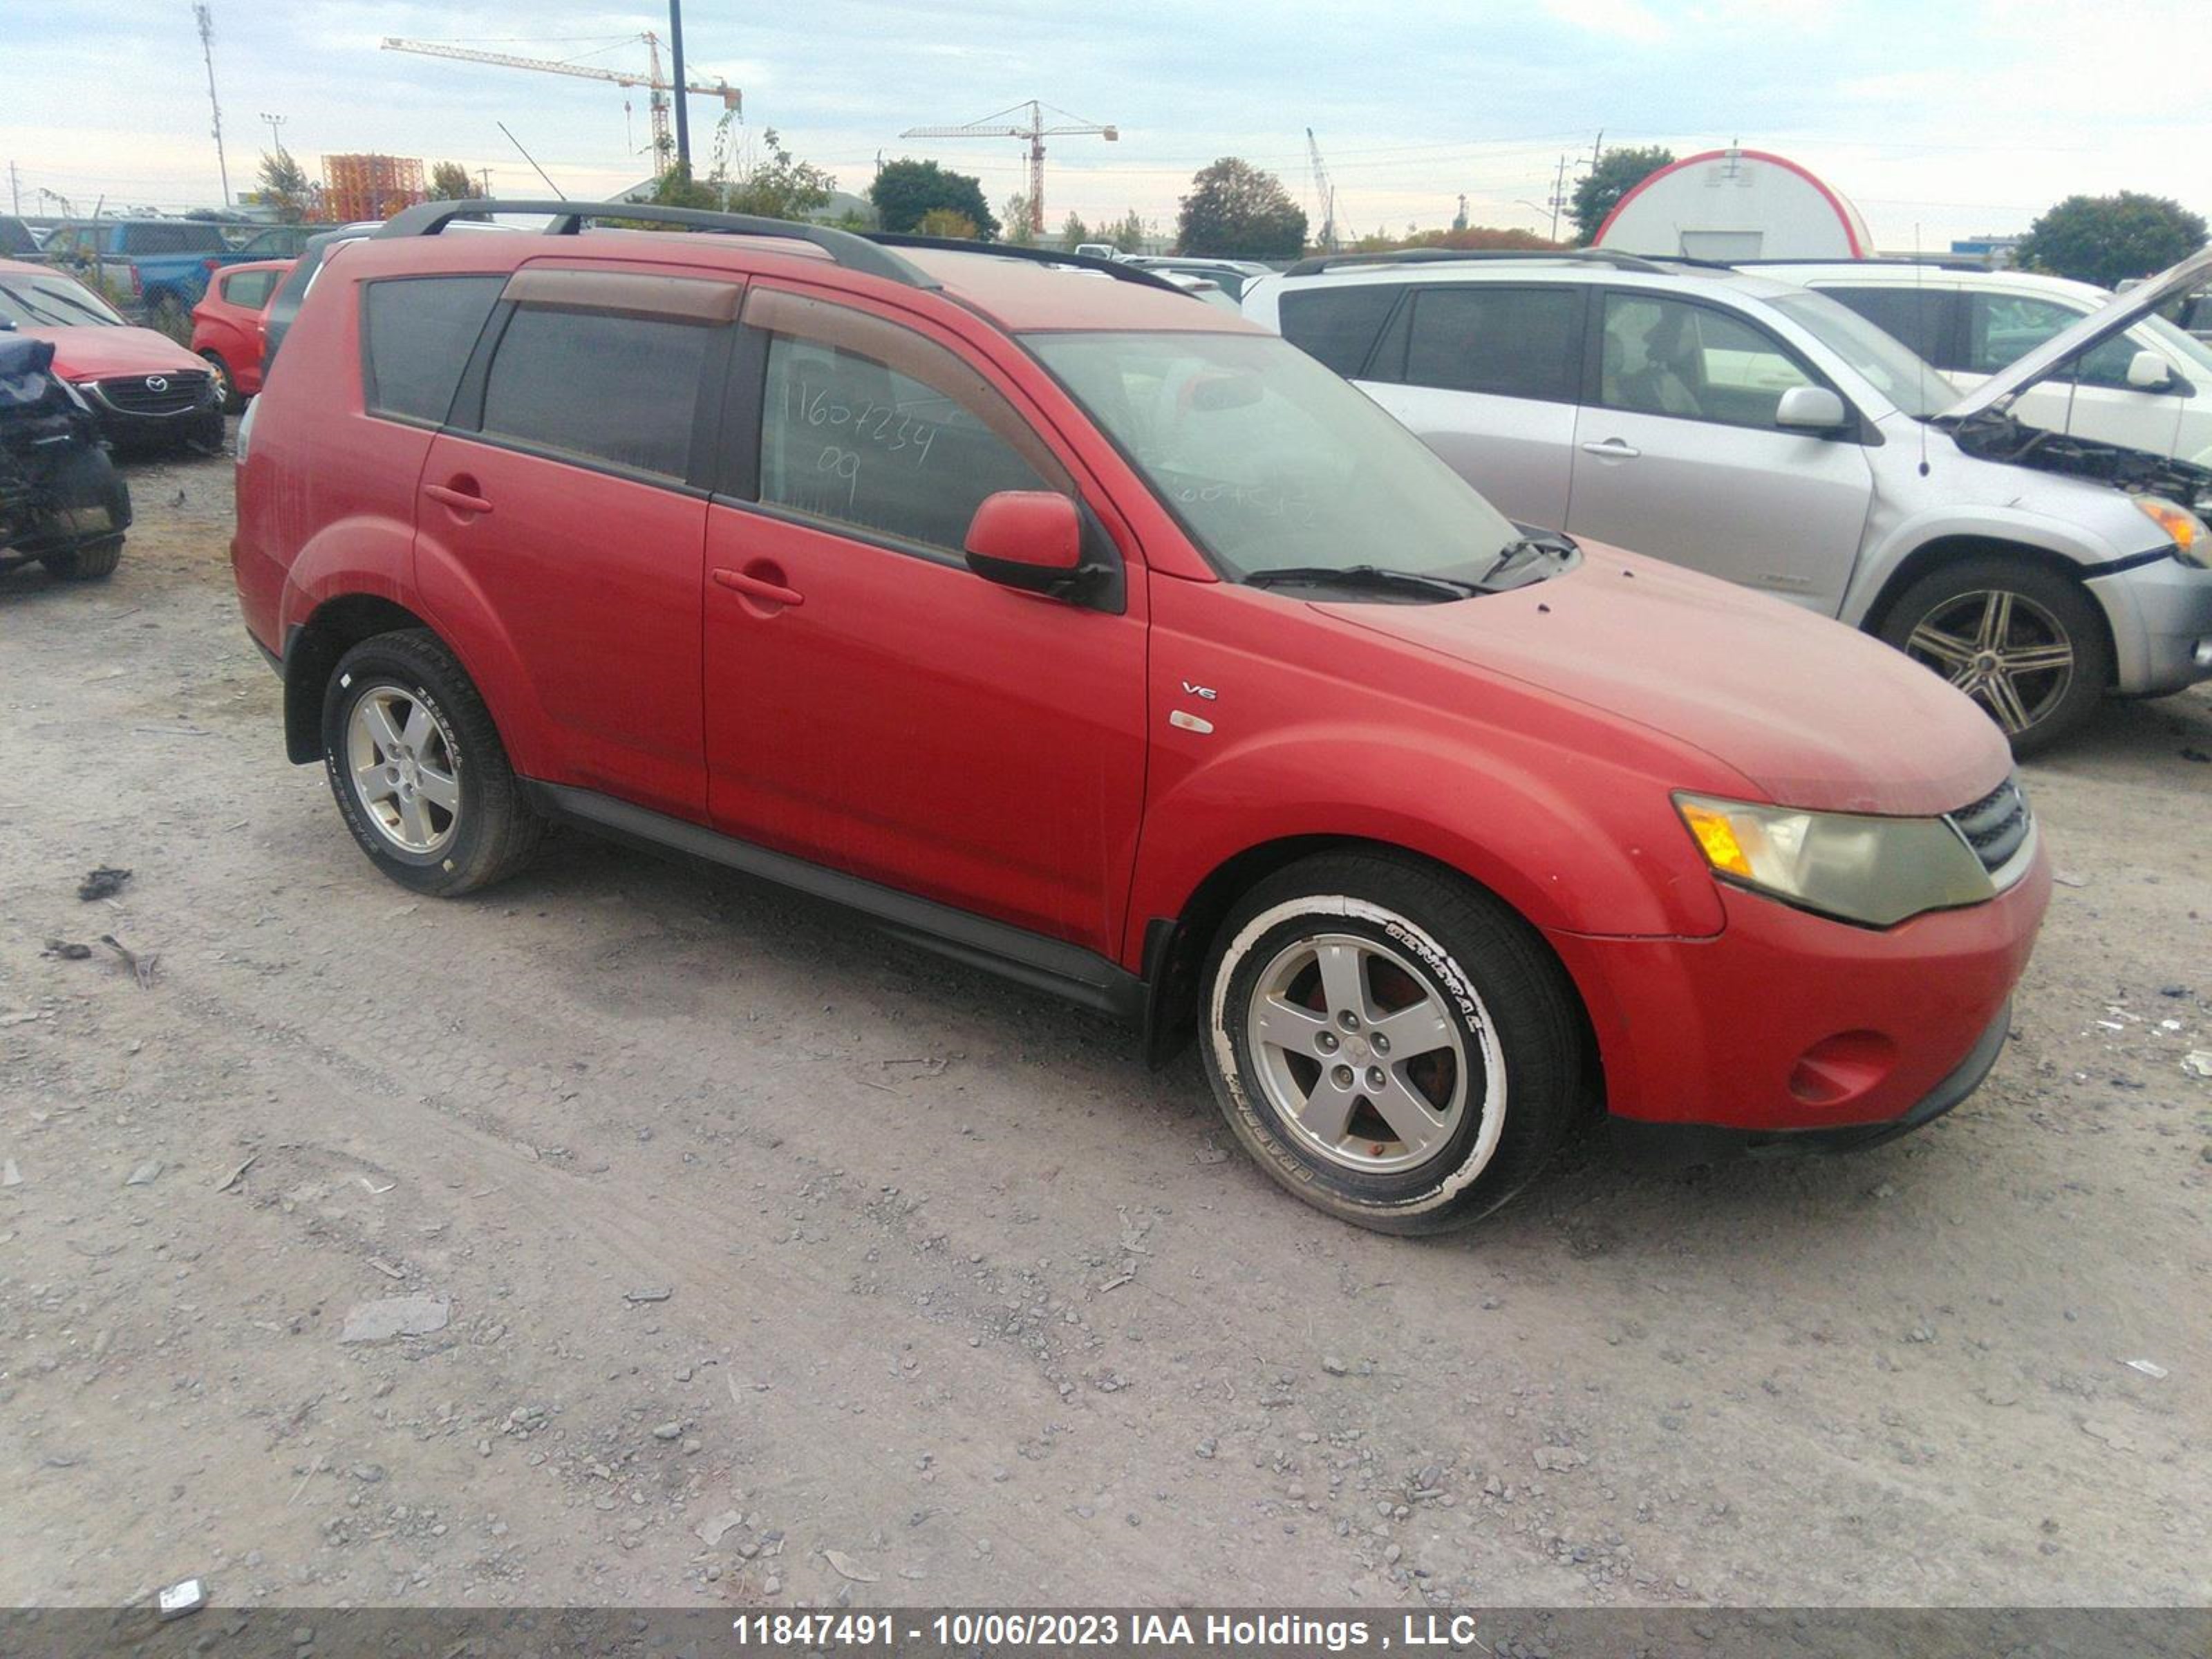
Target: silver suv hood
(2098, 326)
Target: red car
(1084, 632)
(227, 325)
(146, 390)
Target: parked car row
(1094, 636)
(147, 389)
(1747, 427)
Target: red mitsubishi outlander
(1079, 630)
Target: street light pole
(682, 115)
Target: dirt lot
(782, 1262)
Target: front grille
(1996, 825)
(135, 394)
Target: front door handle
(760, 587)
(459, 500)
(1613, 450)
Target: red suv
(1082, 631)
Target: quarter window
(1512, 342)
(249, 289)
(868, 424)
(1663, 357)
(599, 385)
(420, 332)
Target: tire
(1975, 621)
(1500, 1070)
(226, 385)
(442, 813)
(94, 562)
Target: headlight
(1873, 871)
(2192, 541)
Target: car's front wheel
(2025, 642)
(226, 385)
(419, 773)
(1391, 1045)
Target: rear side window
(868, 424)
(1338, 324)
(1512, 343)
(420, 331)
(1912, 316)
(599, 385)
(1664, 357)
(250, 289)
(179, 238)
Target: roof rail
(1940, 261)
(1413, 256)
(1043, 256)
(852, 252)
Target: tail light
(210, 266)
(137, 283)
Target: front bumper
(1786, 1024)
(200, 421)
(2161, 617)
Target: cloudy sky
(1939, 117)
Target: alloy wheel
(2001, 649)
(399, 757)
(1358, 1054)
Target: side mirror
(1031, 539)
(2149, 372)
(1811, 408)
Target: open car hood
(2122, 312)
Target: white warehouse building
(1733, 204)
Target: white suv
(1745, 426)
(2148, 388)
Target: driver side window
(867, 424)
(1664, 357)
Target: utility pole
(682, 115)
(484, 181)
(205, 16)
(1558, 195)
(275, 138)
(14, 192)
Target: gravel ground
(749, 1258)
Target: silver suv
(1750, 429)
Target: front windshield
(1270, 460)
(2179, 341)
(1914, 384)
(51, 302)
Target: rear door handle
(459, 501)
(767, 593)
(1613, 450)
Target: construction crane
(1324, 196)
(657, 86)
(1035, 131)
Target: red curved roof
(1846, 215)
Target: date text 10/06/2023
(1046, 1630)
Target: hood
(1817, 714)
(94, 353)
(2122, 312)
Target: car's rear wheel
(2025, 642)
(226, 385)
(418, 770)
(1391, 1044)
(94, 561)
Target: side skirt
(1045, 965)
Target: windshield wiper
(1373, 578)
(1528, 547)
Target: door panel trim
(1046, 965)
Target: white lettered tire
(1390, 1042)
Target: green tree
(1073, 233)
(1598, 192)
(1016, 218)
(774, 186)
(1127, 233)
(2105, 240)
(450, 182)
(906, 192)
(285, 188)
(1235, 211)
